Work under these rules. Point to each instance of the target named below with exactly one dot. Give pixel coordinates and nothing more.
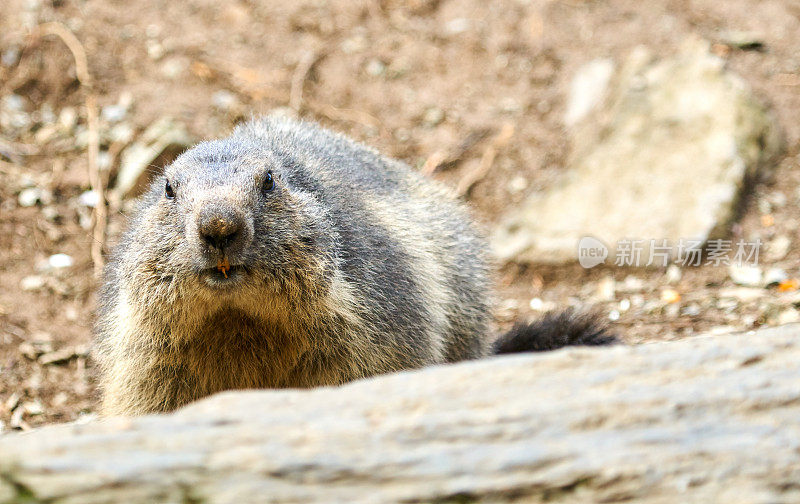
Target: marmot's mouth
(223, 277)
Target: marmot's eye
(269, 183)
(169, 192)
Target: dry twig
(307, 62)
(469, 180)
(439, 161)
(85, 78)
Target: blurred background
(96, 94)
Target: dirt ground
(414, 79)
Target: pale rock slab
(665, 154)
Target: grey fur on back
(353, 265)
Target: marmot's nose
(220, 227)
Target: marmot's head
(230, 221)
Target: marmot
(290, 256)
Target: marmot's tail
(555, 330)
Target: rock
(114, 113)
(122, 133)
(173, 68)
(32, 283)
(31, 196)
(631, 284)
(375, 68)
(12, 402)
(457, 26)
(59, 261)
(33, 407)
(606, 289)
(775, 276)
(743, 39)
(789, 316)
(749, 276)
(155, 50)
(537, 304)
(778, 248)
(670, 296)
(160, 143)
(743, 294)
(10, 56)
(88, 199)
(588, 89)
(704, 419)
(691, 310)
(517, 184)
(225, 101)
(28, 350)
(433, 117)
(665, 154)
(12, 103)
(354, 44)
(62, 356)
(673, 274)
(67, 119)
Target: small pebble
(32, 283)
(673, 274)
(775, 276)
(672, 310)
(749, 276)
(537, 304)
(114, 113)
(789, 316)
(174, 67)
(29, 197)
(59, 261)
(743, 294)
(613, 315)
(433, 117)
(88, 199)
(670, 296)
(33, 407)
(631, 284)
(517, 184)
(122, 133)
(743, 39)
(16, 421)
(375, 68)
(13, 103)
(458, 25)
(225, 100)
(10, 57)
(637, 300)
(778, 248)
(67, 119)
(691, 310)
(354, 44)
(12, 402)
(606, 289)
(155, 50)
